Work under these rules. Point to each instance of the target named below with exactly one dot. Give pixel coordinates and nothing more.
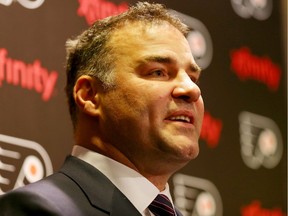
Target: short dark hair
(90, 53)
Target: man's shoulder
(63, 193)
(43, 195)
(54, 187)
(50, 196)
(77, 189)
(54, 195)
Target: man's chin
(189, 151)
(180, 147)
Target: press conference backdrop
(241, 47)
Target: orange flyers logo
(21, 162)
(199, 39)
(261, 141)
(29, 4)
(196, 196)
(259, 9)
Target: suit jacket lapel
(122, 206)
(98, 188)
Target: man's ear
(86, 95)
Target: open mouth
(181, 118)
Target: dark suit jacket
(78, 189)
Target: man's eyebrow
(159, 59)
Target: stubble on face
(134, 111)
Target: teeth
(182, 118)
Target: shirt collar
(139, 190)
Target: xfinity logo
(249, 66)
(261, 141)
(21, 162)
(259, 9)
(256, 209)
(196, 196)
(211, 130)
(29, 4)
(94, 10)
(29, 76)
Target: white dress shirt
(139, 190)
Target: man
(137, 113)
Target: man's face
(155, 111)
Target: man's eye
(158, 73)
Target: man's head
(92, 53)
(136, 92)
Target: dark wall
(241, 46)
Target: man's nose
(185, 88)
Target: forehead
(137, 39)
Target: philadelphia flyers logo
(21, 162)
